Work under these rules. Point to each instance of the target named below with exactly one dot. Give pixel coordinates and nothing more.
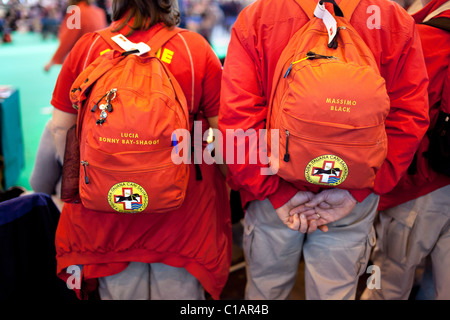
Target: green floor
(22, 66)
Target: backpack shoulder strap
(345, 7)
(106, 34)
(348, 7)
(308, 6)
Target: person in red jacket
(275, 231)
(85, 17)
(414, 218)
(184, 252)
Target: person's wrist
(284, 193)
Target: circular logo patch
(326, 170)
(127, 197)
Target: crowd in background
(45, 16)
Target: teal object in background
(22, 67)
(12, 147)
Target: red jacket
(436, 48)
(91, 18)
(258, 37)
(197, 236)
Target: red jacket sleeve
(408, 119)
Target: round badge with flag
(127, 197)
(326, 170)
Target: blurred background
(29, 38)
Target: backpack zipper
(311, 56)
(286, 155)
(85, 163)
(96, 105)
(344, 143)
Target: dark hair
(146, 13)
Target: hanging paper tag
(127, 45)
(322, 13)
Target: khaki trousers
(155, 281)
(407, 234)
(334, 260)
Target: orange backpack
(329, 104)
(128, 108)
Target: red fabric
(437, 57)
(196, 236)
(91, 18)
(258, 37)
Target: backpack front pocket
(137, 182)
(330, 154)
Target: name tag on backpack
(330, 22)
(127, 45)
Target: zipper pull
(312, 55)
(96, 105)
(175, 142)
(109, 106)
(288, 71)
(86, 179)
(109, 99)
(334, 43)
(286, 155)
(295, 62)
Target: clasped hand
(306, 212)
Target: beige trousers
(334, 260)
(155, 281)
(406, 234)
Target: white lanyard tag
(127, 45)
(322, 13)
